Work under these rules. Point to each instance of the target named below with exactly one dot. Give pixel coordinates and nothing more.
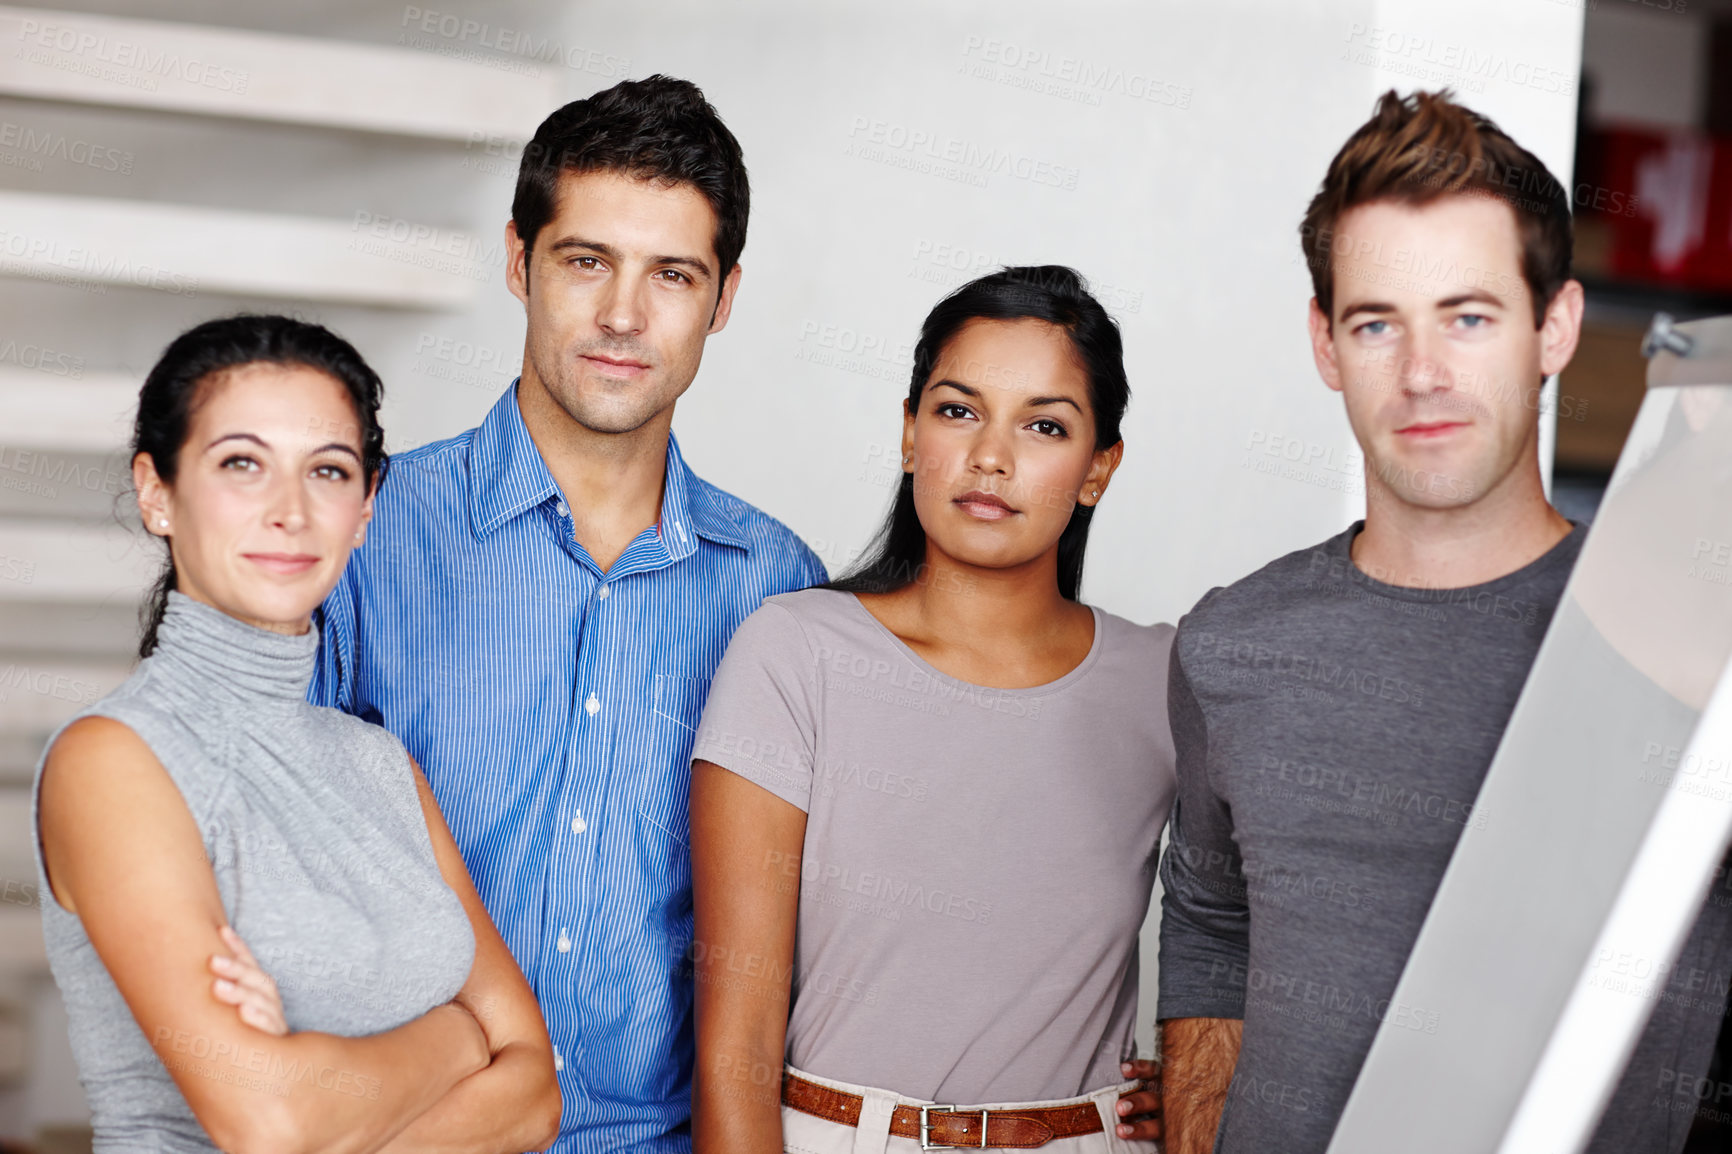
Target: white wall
(1184, 212)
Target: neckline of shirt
(1343, 543)
(1075, 674)
(226, 658)
(508, 477)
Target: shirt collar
(506, 473)
(507, 477)
(692, 505)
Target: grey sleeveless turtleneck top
(316, 836)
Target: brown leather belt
(944, 1127)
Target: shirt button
(560, 508)
(558, 1062)
(564, 943)
(601, 594)
(592, 705)
(578, 825)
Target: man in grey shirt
(1335, 712)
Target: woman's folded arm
(513, 1104)
(124, 853)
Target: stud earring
(162, 522)
(1096, 493)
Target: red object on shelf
(1668, 199)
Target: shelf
(43, 560)
(44, 410)
(446, 91)
(190, 251)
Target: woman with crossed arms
(927, 798)
(204, 807)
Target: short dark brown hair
(1416, 149)
(658, 129)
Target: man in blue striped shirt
(541, 600)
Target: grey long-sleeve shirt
(1332, 732)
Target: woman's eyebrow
(253, 437)
(338, 446)
(1034, 402)
(965, 390)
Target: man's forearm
(1197, 1060)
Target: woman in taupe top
(927, 799)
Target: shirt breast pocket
(680, 699)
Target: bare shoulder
(90, 754)
(99, 736)
(102, 789)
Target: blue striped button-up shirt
(553, 708)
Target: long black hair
(1051, 293)
(173, 390)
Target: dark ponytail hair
(1052, 293)
(175, 386)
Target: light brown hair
(1416, 149)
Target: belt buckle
(926, 1142)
